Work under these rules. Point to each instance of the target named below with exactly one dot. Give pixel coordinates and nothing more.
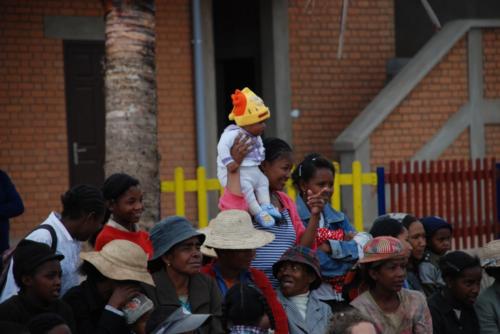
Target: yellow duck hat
(248, 108)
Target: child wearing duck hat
(249, 113)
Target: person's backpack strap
(7, 255)
(52, 232)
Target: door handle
(77, 150)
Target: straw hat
(383, 248)
(490, 254)
(121, 260)
(233, 229)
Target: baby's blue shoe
(272, 210)
(264, 219)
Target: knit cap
(248, 108)
(434, 223)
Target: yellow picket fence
(179, 186)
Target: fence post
(180, 202)
(201, 182)
(357, 195)
(497, 181)
(381, 191)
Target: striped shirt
(285, 237)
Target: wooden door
(85, 111)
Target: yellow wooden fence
(179, 186)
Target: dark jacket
(445, 320)
(11, 205)
(90, 315)
(19, 309)
(204, 298)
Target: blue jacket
(317, 318)
(344, 253)
(11, 205)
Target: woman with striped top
(288, 232)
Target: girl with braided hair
(339, 245)
(81, 217)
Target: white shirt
(300, 302)
(256, 155)
(66, 246)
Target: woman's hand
(122, 294)
(316, 202)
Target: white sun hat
(233, 229)
(490, 254)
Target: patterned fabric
(411, 317)
(382, 248)
(324, 234)
(337, 283)
(247, 330)
(266, 256)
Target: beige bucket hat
(233, 229)
(121, 260)
(490, 254)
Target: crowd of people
(280, 266)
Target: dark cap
(302, 255)
(169, 232)
(434, 223)
(29, 255)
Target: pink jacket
(232, 201)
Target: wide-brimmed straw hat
(383, 248)
(233, 229)
(490, 254)
(121, 260)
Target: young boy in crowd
(438, 232)
(37, 271)
(249, 113)
(452, 308)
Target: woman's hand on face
(316, 202)
(241, 146)
(122, 294)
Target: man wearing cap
(488, 303)
(298, 272)
(234, 239)
(37, 272)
